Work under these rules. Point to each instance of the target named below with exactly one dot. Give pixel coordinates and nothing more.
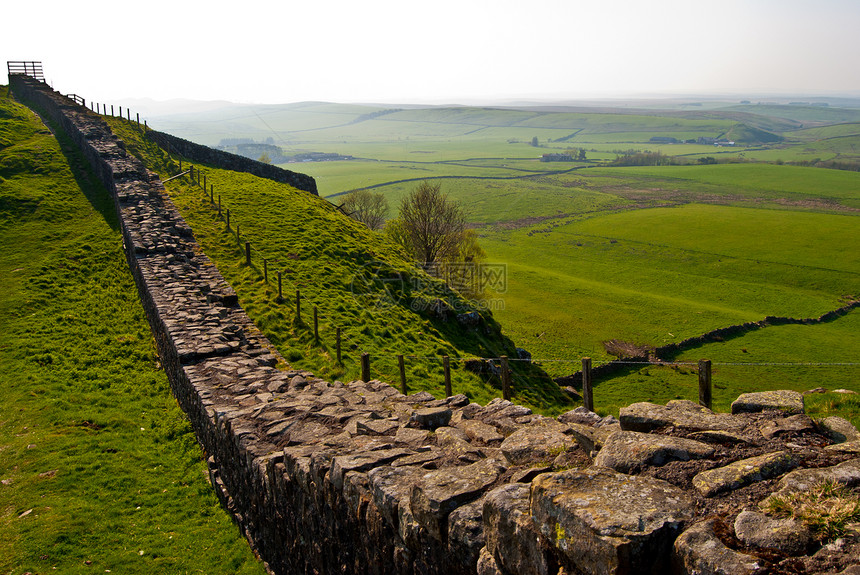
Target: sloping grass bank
(100, 470)
(358, 280)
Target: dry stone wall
(332, 477)
(212, 157)
(720, 334)
(228, 161)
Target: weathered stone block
(847, 447)
(698, 551)
(480, 432)
(793, 424)
(787, 401)
(411, 437)
(645, 417)
(391, 487)
(591, 439)
(604, 522)
(431, 417)
(629, 451)
(466, 532)
(487, 564)
(743, 472)
(580, 415)
(542, 440)
(343, 464)
(838, 429)
(513, 541)
(438, 493)
(758, 530)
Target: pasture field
(100, 469)
(648, 255)
(658, 276)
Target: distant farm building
(556, 158)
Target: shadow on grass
(84, 176)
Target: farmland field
(648, 254)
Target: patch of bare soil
(520, 223)
(627, 349)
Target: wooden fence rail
(25, 68)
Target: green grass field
(100, 469)
(649, 255)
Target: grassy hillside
(100, 470)
(356, 279)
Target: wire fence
(493, 371)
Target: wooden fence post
(137, 115)
(446, 366)
(265, 271)
(111, 110)
(228, 218)
(365, 367)
(247, 251)
(204, 183)
(587, 392)
(402, 367)
(705, 383)
(506, 378)
(337, 345)
(280, 293)
(238, 239)
(219, 205)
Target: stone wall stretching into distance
(657, 354)
(330, 477)
(228, 161)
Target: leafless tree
(366, 207)
(434, 225)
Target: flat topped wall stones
(333, 477)
(743, 472)
(838, 429)
(607, 522)
(630, 451)
(646, 417)
(785, 401)
(699, 550)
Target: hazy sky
(436, 52)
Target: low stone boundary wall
(331, 477)
(666, 351)
(228, 161)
